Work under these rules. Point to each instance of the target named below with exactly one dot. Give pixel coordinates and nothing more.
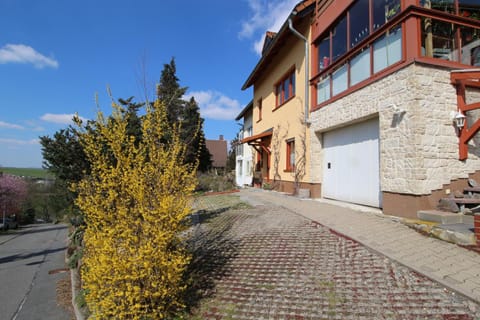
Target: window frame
(290, 150)
(279, 88)
(260, 109)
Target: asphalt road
(32, 260)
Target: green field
(27, 172)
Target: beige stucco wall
(419, 146)
(288, 120)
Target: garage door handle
(329, 165)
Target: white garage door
(351, 164)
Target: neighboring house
(218, 150)
(386, 79)
(280, 106)
(243, 152)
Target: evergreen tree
(192, 135)
(63, 155)
(170, 93)
(130, 113)
(186, 114)
(232, 154)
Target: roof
(261, 135)
(271, 48)
(242, 113)
(218, 150)
(269, 36)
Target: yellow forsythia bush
(135, 202)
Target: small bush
(211, 182)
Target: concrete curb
(75, 281)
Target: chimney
(221, 137)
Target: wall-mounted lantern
(459, 120)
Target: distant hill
(28, 172)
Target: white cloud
(215, 105)
(266, 16)
(59, 118)
(18, 141)
(10, 126)
(20, 53)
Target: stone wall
(418, 142)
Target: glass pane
(340, 80)
(359, 22)
(285, 90)
(323, 90)
(470, 46)
(442, 5)
(292, 79)
(387, 50)
(438, 40)
(324, 53)
(383, 11)
(339, 39)
(380, 60)
(469, 9)
(394, 49)
(360, 67)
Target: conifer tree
(193, 136)
(186, 114)
(170, 93)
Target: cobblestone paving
(268, 263)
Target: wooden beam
(471, 106)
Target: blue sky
(57, 55)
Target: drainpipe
(305, 40)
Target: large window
(285, 88)
(360, 67)
(340, 80)
(442, 5)
(387, 50)
(383, 11)
(339, 39)
(469, 9)
(466, 8)
(359, 22)
(470, 46)
(323, 90)
(439, 40)
(324, 53)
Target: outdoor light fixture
(460, 120)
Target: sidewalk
(448, 264)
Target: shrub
(216, 183)
(135, 203)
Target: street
(32, 260)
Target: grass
(27, 172)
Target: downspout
(305, 40)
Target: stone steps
(444, 217)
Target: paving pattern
(265, 262)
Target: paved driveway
(266, 262)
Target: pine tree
(193, 136)
(186, 114)
(130, 113)
(170, 93)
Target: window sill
(284, 103)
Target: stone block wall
(418, 141)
